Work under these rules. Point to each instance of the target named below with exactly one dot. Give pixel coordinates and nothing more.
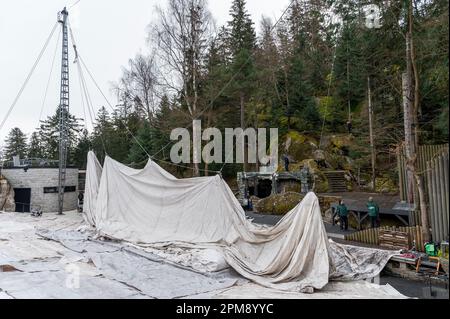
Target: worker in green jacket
(343, 215)
(374, 211)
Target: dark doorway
(264, 188)
(22, 197)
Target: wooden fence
(372, 236)
(432, 163)
(438, 198)
(425, 154)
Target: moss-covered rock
(321, 184)
(341, 141)
(290, 187)
(299, 147)
(310, 163)
(278, 204)
(385, 185)
(7, 202)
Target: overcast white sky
(107, 32)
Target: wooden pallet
(394, 239)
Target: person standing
(343, 215)
(286, 162)
(349, 126)
(374, 211)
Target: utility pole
(63, 110)
(372, 144)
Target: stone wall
(37, 179)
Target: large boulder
(299, 147)
(278, 204)
(7, 203)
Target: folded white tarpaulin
(93, 175)
(150, 206)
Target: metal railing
(33, 163)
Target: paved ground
(57, 257)
(416, 289)
(410, 288)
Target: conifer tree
(15, 145)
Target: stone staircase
(336, 181)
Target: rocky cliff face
(7, 203)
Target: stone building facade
(38, 188)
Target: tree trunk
(372, 143)
(243, 128)
(423, 209)
(410, 144)
(416, 108)
(208, 124)
(195, 151)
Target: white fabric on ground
(94, 169)
(334, 290)
(357, 263)
(151, 206)
(107, 269)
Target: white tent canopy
(150, 206)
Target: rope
(28, 77)
(73, 5)
(90, 105)
(232, 78)
(110, 106)
(82, 104)
(328, 96)
(201, 113)
(125, 125)
(49, 78)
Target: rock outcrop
(278, 204)
(7, 203)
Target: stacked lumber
(392, 239)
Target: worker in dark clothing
(343, 215)
(349, 126)
(374, 211)
(80, 201)
(286, 162)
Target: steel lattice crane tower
(63, 109)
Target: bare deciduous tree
(182, 36)
(139, 85)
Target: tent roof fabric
(152, 207)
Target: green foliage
(303, 73)
(15, 145)
(82, 149)
(35, 149)
(49, 136)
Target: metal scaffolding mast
(63, 109)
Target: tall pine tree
(35, 149)
(15, 145)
